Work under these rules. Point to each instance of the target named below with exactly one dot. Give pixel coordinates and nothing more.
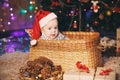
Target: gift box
(79, 75)
(114, 63)
(105, 73)
(118, 40)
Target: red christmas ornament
(68, 1)
(95, 23)
(75, 24)
(54, 3)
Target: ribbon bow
(106, 72)
(81, 66)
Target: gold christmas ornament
(108, 13)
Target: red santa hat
(42, 18)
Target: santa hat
(42, 18)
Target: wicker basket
(82, 46)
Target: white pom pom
(33, 42)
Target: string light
(30, 16)
(36, 8)
(11, 9)
(3, 30)
(9, 23)
(11, 14)
(23, 11)
(31, 2)
(31, 7)
(13, 18)
(1, 19)
(1, 26)
(6, 4)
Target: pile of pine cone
(41, 69)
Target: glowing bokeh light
(23, 11)
(6, 4)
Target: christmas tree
(73, 15)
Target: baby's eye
(49, 28)
(55, 27)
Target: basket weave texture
(82, 46)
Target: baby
(46, 27)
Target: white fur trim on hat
(33, 42)
(46, 19)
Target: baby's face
(50, 30)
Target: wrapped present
(105, 73)
(114, 63)
(118, 40)
(79, 75)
